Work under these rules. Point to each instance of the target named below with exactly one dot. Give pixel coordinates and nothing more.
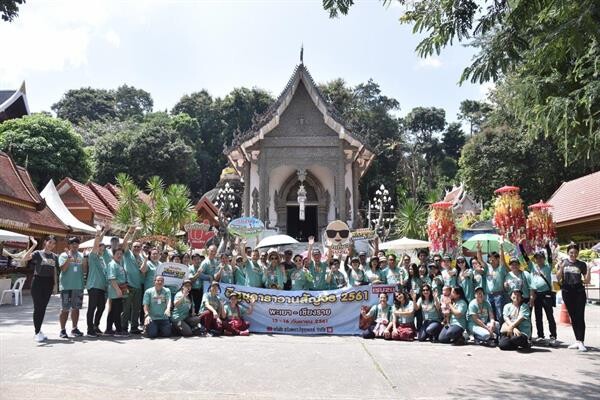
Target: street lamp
(382, 205)
(226, 201)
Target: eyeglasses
(332, 233)
(273, 258)
(460, 261)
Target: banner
(246, 227)
(330, 312)
(364, 234)
(173, 273)
(199, 234)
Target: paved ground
(276, 366)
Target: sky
(172, 48)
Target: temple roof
(13, 103)
(105, 195)
(87, 195)
(577, 200)
(268, 120)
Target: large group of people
(489, 300)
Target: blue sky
(171, 48)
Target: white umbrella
(276, 240)
(8, 236)
(404, 244)
(90, 243)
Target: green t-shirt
(132, 268)
(511, 313)
(465, 281)
(157, 302)
(437, 282)
(404, 319)
(150, 273)
(461, 321)
(227, 274)
(214, 301)
(209, 267)
(338, 280)
(181, 311)
(537, 282)
(300, 279)
(357, 277)
(72, 278)
(428, 310)
(518, 281)
(394, 276)
(319, 282)
(254, 274)
(234, 312)
(494, 279)
(415, 285)
(380, 313)
(274, 277)
(196, 284)
(107, 256)
(374, 276)
(116, 271)
(449, 279)
(239, 275)
(481, 310)
(96, 278)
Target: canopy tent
(55, 203)
(8, 236)
(404, 244)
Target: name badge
(75, 268)
(158, 300)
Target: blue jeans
(483, 335)
(450, 333)
(159, 327)
(497, 302)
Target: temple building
(13, 103)
(300, 155)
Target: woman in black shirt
(570, 273)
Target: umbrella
(596, 248)
(8, 236)
(489, 242)
(90, 243)
(276, 240)
(404, 244)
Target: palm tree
(411, 219)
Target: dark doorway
(301, 230)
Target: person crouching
(235, 324)
(183, 320)
(157, 309)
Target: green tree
(86, 104)
(132, 103)
(453, 140)
(411, 219)
(475, 113)
(9, 9)
(48, 146)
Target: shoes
(136, 331)
(581, 347)
(539, 340)
(76, 332)
(227, 333)
(121, 334)
(92, 333)
(40, 337)
(98, 331)
(552, 342)
(245, 333)
(459, 341)
(109, 332)
(574, 346)
(63, 334)
(214, 332)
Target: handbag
(550, 293)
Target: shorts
(71, 299)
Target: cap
(186, 281)
(272, 250)
(462, 258)
(239, 258)
(513, 260)
(382, 258)
(478, 288)
(74, 239)
(214, 283)
(232, 294)
(447, 258)
(316, 251)
(362, 254)
(540, 253)
(355, 259)
(288, 252)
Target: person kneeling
(183, 320)
(403, 318)
(211, 311)
(516, 330)
(234, 324)
(157, 309)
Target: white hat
(272, 250)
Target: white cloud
(429, 62)
(113, 38)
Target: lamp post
(381, 204)
(228, 205)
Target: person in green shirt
(225, 273)
(300, 276)
(373, 273)
(72, 266)
(393, 274)
(253, 271)
(234, 324)
(132, 261)
(183, 319)
(117, 291)
(481, 321)
(211, 311)
(318, 268)
(274, 276)
(210, 264)
(464, 277)
(454, 331)
(516, 330)
(430, 309)
(356, 275)
(197, 278)
(517, 279)
(157, 309)
(402, 326)
(335, 278)
(494, 274)
(448, 272)
(380, 315)
(96, 285)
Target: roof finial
(302, 54)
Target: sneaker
(245, 333)
(121, 334)
(98, 331)
(109, 332)
(581, 347)
(92, 333)
(136, 331)
(574, 346)
(42, 333)
(214, 332)
(553, 342)
(539, 340)
(76, 332)
(39, 337)
(491, 343)
(63, 334)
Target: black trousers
(41, 290)
(196, 299)
(429, 330)
(513, 342)
(114, 316)
(575, 299)
(96, 304)
(543, 302)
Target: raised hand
(311, 240)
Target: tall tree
(86, 104)
(48, 146)
(453, 140)
(9, 9)
(474, 112)
(132, 103)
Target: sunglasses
(461, 261)
(332, 233)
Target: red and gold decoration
(441, 228)
(509, 215)
(540, 226)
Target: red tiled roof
(42, 220)
(577, 199)
(87, 195)
(115, 191)
(26, 178)
(105, 195)
(12, 183)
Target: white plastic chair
(17, 290)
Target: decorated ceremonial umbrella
(490, 242)
(540, 226)
(509, 216)
(441, 228)
(276, 240)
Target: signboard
(199, 234)
(246, 227)
(330, 312)
(364, 234)
(173, 273)
(337, 235)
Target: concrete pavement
(278, 366)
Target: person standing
(252, 269)
(464, 277)
(300, 276)
(71, 264)
(494, 275)
(335, 278)
(117, 291)
(133, 263)
(210, 264)
(318, 269)
(96, 285)
(274, 276)
(197, 281)
(573, 274)
(45, 263)
(157, 309)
